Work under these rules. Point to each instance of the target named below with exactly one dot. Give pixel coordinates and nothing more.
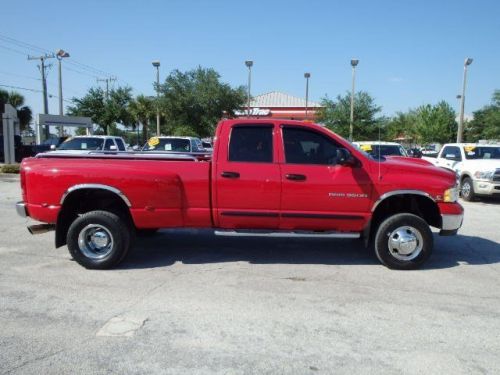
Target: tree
(196, 100)
(401, 125)
(335, 114)
(24, 113)
(105, 112)
(435, 123)
(486, 121)
(142, 110)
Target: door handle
(296, 177)
(230, 174)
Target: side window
(108, 144)
(452, 153)
(303, 146)
(251, 144)
(120, 144)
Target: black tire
(467, 190)
(94, 229)
(147, 232)
(390, 249)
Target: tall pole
(156, 64)
(460, 131)
(61, 54)
(307, 76)
(42, 67)
(249, 64)
(354, 62)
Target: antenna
(379, 150)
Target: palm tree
(142, 110)
(24, 113)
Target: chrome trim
(400, 192)
(451, 222)
(233, 233)
(21, 209)
(96, 186)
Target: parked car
(93, 143)
(477, 166)
(273, 178)
(379, 148)
(430, 151)
(181, 145)
(414, 152)
(207, 146)
(49, 144)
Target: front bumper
(21, 209)
(451, 224)
(486, 187)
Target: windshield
(167, 144)
(383, 150)
(482, 152)
(82, 144)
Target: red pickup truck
(273, 178)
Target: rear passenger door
(247, 178)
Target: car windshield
(168, 144)
(383, 150)
(482, 152)
(82, 144)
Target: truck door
(247, 178)
(450, 157)
(317, 193)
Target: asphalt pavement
(188, 302)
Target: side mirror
(136, 148)
(344, 157)
(52, 147)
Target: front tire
(403, 242)
(467, 189)
(98, 239)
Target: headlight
(451, 194)
(484, 175)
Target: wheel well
(464, 177)
(85, 200)
(418, 205)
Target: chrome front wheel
(405, 243)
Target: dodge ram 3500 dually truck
(275, 178)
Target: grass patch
(10, 168)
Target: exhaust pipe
(41, 228)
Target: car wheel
(403, 242)
(467, 190)
(98, 239)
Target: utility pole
(156, 64)
(107, 80)
(307, 76)
(42, 68)
(249, 64)
(61, 54)
(460, 132)
(354, 62)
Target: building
(280, 105)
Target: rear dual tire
(403, 242)
(99, 239)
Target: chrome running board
(285, 234)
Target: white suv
(477, 166)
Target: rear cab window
(120, 144)
(251, 143)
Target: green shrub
(10, 168)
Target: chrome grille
(496, 176)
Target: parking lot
(189, 302)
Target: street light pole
(61, 54)
(156, 64)
(249, 64)
(307, 76)
(460, 131)
(354, 62)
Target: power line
(19, 75)
(32, 90)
